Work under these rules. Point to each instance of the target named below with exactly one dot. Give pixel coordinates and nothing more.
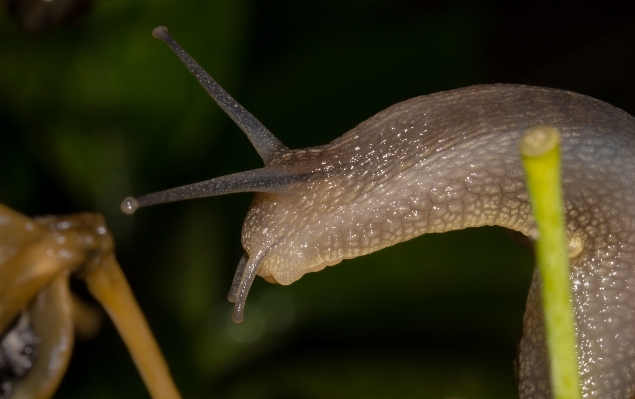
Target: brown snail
(443, 162)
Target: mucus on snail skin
(443, 162)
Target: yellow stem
(108, 284)
(540, 151)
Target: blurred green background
(96, 109)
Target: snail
(443, 162)
(37, 310)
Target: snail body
(443, 162)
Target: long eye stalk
(262, 139)
(267, 179)
(270, 179)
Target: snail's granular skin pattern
(449, 161)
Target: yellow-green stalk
(540, 152)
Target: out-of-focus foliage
(98, 110)
(38, 16)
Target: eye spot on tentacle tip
(576, 245)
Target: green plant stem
(540, 152)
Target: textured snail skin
(448, 161)
(443, 162)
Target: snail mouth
(243, 278)
(323, 265)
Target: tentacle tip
(160, 32)
(238, 316)
(129, 205)
(232, 295)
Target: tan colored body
(449, 161)
(443, 162)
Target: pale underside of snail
(443, 162)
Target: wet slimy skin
(443, 162)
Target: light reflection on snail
(443, 162)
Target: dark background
(96, 109)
